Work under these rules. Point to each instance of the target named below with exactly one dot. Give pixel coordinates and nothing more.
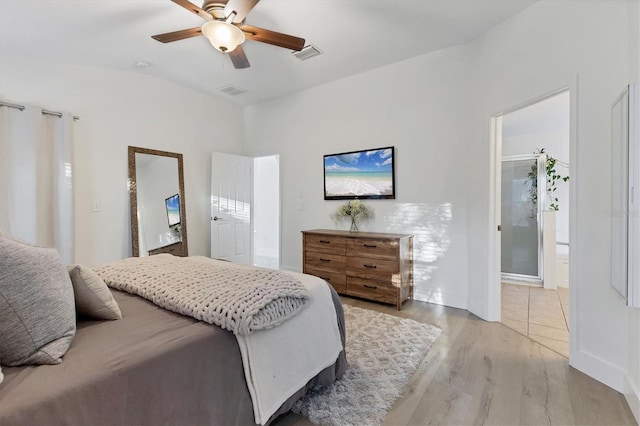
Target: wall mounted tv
(173, 209)
(366, 174)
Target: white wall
(417, 106)
(436, 110)
(544, 124)
(119, 109)
(588, 46)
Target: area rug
(383, 351)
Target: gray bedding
(152, 367)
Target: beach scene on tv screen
(173, 209)
(365, 173)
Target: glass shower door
(523, 185)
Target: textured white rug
(383, 352)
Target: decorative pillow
(93, 297)
(37, 312)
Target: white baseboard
(599, 369)
(610, 375)
(632, 395)
(440, 298)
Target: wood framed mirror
(156, 194)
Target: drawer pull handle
(370, 286)
(325, 242)
(370, 245)
(325, 260)
(370, 266)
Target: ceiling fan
(226, 30)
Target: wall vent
(307, 52)
(231, 90)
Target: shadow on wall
(429, 224)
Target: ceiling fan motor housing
(215, 8)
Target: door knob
(217, 218)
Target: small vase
(354, 225)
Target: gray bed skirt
(152, 367)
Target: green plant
(553, 177)
(354, 210)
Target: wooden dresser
(370, 265)
(174, 249)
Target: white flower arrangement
(355, 211)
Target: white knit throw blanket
(240, 300)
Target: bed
(152, 367)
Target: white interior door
(231, 207)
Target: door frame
(494, 291)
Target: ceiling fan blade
(272, 37)
(193, 9)
(239, 58)
(240, 7)
(177, 35)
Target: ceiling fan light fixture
(222, 35)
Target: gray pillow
(93, 297)
(37, 311)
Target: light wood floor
(542, 314)
(482, 372)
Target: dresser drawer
(372, 248)
(338, 281)
(325, 243)
(174, 249)
(377, 269)
(325, 261)
(372, 290)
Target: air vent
(307, 52)
(232, 91)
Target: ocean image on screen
(359, 174)
(173, 209)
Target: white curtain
(36, 194)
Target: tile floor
(540, 314)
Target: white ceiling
(355, 36)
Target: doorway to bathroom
(534, 220)
(266, 211)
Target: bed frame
(152, 367)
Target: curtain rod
(44, 111)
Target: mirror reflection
(158, 218)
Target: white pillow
(1, 376)
(93, 297)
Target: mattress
(152, 367)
